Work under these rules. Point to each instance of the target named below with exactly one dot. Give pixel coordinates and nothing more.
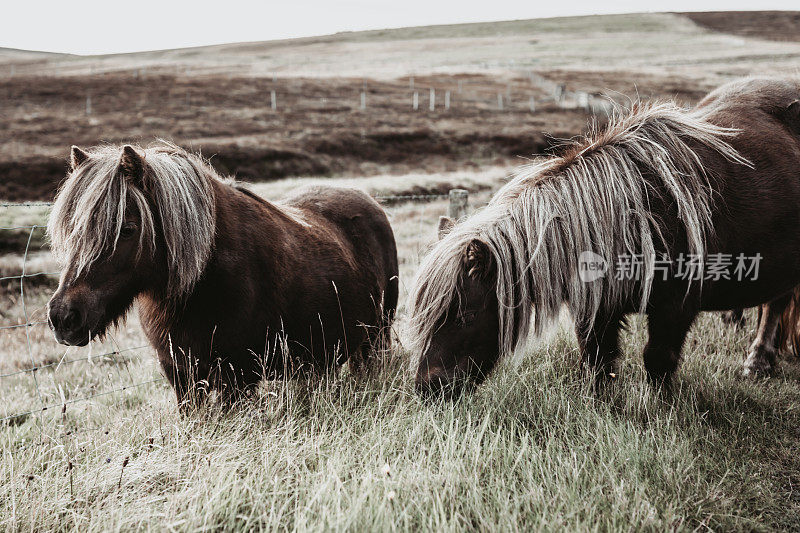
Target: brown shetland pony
(658, 183)
(230, 287)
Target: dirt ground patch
(319, 126)
(770, 25)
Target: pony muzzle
(437, 382)
(68, 323)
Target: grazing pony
(230, 287)
(656, 187)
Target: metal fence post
(458, 203)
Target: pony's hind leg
(234, 382)
(667, 329)
(599, 346)
(764, 350)
(367, 359)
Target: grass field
(531, 449)
(92, 441)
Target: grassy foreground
(531, 449)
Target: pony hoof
(756, 367)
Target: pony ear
(131, 164)
(445, 226)
(791, 115)
(77, 157)
(478, 260)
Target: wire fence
(525, 91)
(37, 376)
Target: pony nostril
(71, 319)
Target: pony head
(127, 221)
(462, 347)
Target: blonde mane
(595, 198)
(174, 197)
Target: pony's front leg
(233, 386)
(190, 393)
(599, 346)
(764, 350)
(666, 328)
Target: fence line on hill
(39, 403)
(441, 94)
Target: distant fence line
(388, 198)
(440, 95)
(457, 207)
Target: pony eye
(128, 230)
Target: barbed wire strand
(82, 399)
(70, 361)
(27, 327)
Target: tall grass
(531, 449)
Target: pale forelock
(537, 225)
(89, 211)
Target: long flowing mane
(174, 197)
(595, 198)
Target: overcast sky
(104, 26)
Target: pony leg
(378, 341)
(189, 394)
(735, 318)
(667, 329)
(788, 336)
(233, 384)
(763, 352)
(365, 360)
(599, 346)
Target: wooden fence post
(415, 100)
(558, 93)
(433, 99)
(273, 100)
(458, 203)
(447, 100)
(583, 101)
